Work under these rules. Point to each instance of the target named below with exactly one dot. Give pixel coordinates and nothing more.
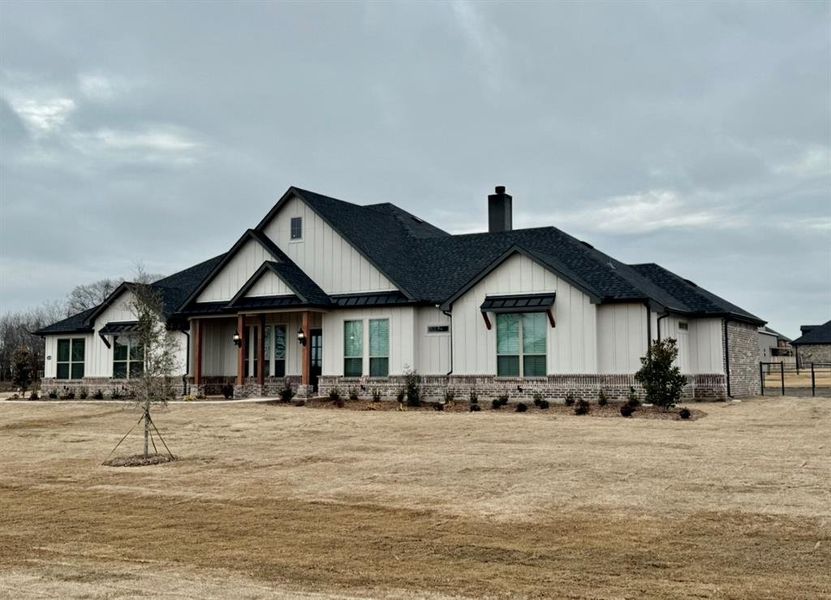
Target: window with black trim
(521, 345)
(379, 347)
(70, 363)
(128, 358)
(683, 325)
(297, 228)
(353, 348)
(275, 350)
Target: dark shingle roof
(818, 334)
(77, 323)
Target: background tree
(89, 295)
(22, 363)
(661, 380)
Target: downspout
(449, 315)
(648, 325)
(727, 358)
(187, 363)
(663, 316)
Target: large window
(128, 358)
(353, 348)
(379, 347)
(70, 363)
(275, 350)
(520, 345)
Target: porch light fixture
(301, 336)
(237, 339)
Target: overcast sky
(694, 135)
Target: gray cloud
(697, 136)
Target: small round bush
(684, 413)
(334, 395)
(626, 410)
(537, 398)
(602, 400)
(582, 407)
(34, 395)
(496, 404)
(569, 401)
(475, 408)
(521, 407)
(544, 404)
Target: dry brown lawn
(286, 502)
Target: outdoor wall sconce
(301, 336)
(237, 339)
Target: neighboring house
(324, 293)
(814, 345)
(773, 346)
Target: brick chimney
(500, 213)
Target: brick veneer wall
(553, 387)
(743, 358)
(813, 353)
(107, 385)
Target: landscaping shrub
(286, 394)
(684, 413)
(474, 397)
(34, 396)
(626, 410)
(582, 407)
(53, 394)
(376, 395)
(400, 396)
(632, 398)
(449, 396)
(602, 400)
(353, 393)
(439, 406)
(116, 395)
(412, 387)
(334, 395)
(475, 408)
(98, 395)
(83, 394)
(228, 391)
(569, 401)
(499, 402)
(543, 405)
(521, 407)
(300, 402)
(537, 398)
(661, 380)
(68, 395)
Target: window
(379, 347)
(297, 228)
(438, 328)
(251, 345)
(128, 358)
(353, 348)
(520, 345)
(70, 363)
(275, 350)
(682, 325)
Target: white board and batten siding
(571, 345)
(98, 359)
(432, 349)
(269, 284)
(706, 351)
(235, 273)
(330, 260)
(621, 337)
(401, 343)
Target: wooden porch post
(241, 352)
(306, 378)
(197, 361)
(261, 353)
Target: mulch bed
(139, 460)
(610, 410)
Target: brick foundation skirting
(554, 387)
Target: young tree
(661, 380)
(158, 349)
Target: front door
(317, 356)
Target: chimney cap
(500, 189)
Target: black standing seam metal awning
(119, 327)
(518, 303)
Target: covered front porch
(256, 353)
